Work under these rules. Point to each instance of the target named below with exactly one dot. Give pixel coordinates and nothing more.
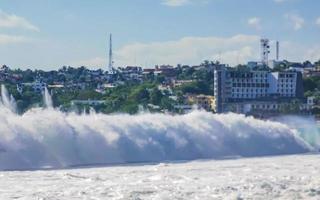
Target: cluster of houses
(136, 73)
(5, 75)
(254, 89)
(257, 89)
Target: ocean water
(62, 143)
(283, 177)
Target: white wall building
(238, 85)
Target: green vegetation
(312, 89)
(198, 87)
(128, 96)
(311, 84)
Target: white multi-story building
(247, 85)
(286, 84)
(239, 85)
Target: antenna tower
(278, 51)
(110, 66)
(265, 50)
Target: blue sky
(51, 33)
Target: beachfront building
(241, 85)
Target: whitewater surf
(48, 138)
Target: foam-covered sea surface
(283, 177)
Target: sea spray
(47, 137)
(308, 128)
(47, 99)
(7, 100)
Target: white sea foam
(280, 177)
(45, 137)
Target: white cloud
(313, 53)
(318, 21)
(10, 39)
(238, 49)
(175, 3)
(255, 22)
(280, 1)
(239, 56)
(297, 52)
(283, 1)
(14, 21)
(296, 21)
(190, 50)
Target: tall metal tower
(278, 51)
(265, 50)
(110, 66)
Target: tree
(156, 96)
(139, 94)
(199, 87)
(160, 79)
(167, 103)
(311, 83)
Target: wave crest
(49, 138)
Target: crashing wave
(45, 137)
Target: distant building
(148, 71)
(296, 67)
(202, 101)
(311, 72)
(269, 107)
(4, 68)
(132, 73)
(166, 70)
(242, 85)
(273, 63)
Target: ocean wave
(49, 138)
